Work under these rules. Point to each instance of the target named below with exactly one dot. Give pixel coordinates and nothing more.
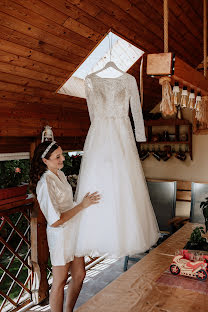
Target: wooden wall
(43, 41)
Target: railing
(25, 271)
(15, 265)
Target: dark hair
(38, 167)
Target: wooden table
(137, 289)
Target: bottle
(191, 101)
(184, 97)
(176, 94)
(198, 102)
(179, 114)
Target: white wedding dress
(123, 222)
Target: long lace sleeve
(137, 112)
(88, 92)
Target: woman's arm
(88, 200)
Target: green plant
(196, 236)
(14, 172)
(72, 164)
(204, 207)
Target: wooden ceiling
(43, 41)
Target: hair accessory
(47, 149)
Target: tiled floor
(97, 278)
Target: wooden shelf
(166, 122)
(177, 123)
(166, 142)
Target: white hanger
(107, 65)
(110, 63)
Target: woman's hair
(38, 167)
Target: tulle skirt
(123, 222)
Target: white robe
(55, 197)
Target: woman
(55, 198)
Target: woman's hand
(90, 199)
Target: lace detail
(109, 98)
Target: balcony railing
(25, 269)
(15, 265)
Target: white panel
(14, 156)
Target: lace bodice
(110, 98)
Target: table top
(138, 290)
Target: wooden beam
(31, 127)
(28, 73)
(81, 29)
(21, 19)
(41, 20)
(123, 24)
(163, 64)
(14, 144)
(39, 254)
(61, 19)
(10, 91)
(39, 247)
(20, 110)
(28, 63)
(37, 43)
(24, 81)
(179, 36)
(185, 74)
(40, 8)
(77, 14)
(22, 144)
(42, 57)
(148, 18)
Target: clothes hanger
(110, 63)
(107, 65)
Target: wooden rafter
(167, 64)
(43, 41)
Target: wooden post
(190, 141)
(205, 37)
(32, 149)
(39, 249)
(162, 64)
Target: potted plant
(204, 207)
(196, 240)
(14, 177)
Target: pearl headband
(47, 149)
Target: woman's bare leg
(60, 274)
(78, 273)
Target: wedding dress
(123, 222)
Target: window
(113, 47)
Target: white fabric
(123, 222)
(55, 197)
(109, 98)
